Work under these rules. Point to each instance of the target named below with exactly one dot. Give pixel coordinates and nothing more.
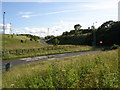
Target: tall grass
(99, 70)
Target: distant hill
(20, 41)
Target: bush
(21, 41)
(56, 41)
(30, 39)
(115, 46)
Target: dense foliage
(49, 37)
(108, 33)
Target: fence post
(8, 66)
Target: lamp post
(4, 23)
(3, 31)
(94, 35)
(48, 31)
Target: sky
(51, 17)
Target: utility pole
(94, 35)
(3, 31)
(56, 32)
(48, 31)
(4, 23)
(10, 28)
(119, 11)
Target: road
(43, 42)
(21, 61)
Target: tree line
(108, 33)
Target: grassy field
(14, 48)
(14, 42)
(99, 70)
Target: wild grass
(14, 48)
(98, 70)
(47, 50)
(14, 42)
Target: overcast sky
(57, 15)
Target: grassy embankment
(98, 70)
(14, 48)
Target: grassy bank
(17, 46)
(46, 50)
(99, 70)
(13, 42)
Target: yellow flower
(63, 70)
(12, 85)
(32, 68)
(18, 75)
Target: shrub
(115, 46)
(30, 39)
(21, 41)
(56, 41)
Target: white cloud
(1, 26)
(7, 28)
(56, 29)
(64, 11)
(101, 5)
(38, 31)
(26, 16)
(49, 13)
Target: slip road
(21, 61)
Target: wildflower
(63, 70)
(18, 75)
(32, 68)
(12, 85)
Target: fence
(24, 51)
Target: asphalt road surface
(43, 42)
(21, 61)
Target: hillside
(108, 33)
(19, 42)
(17, 46)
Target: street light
(48, 32)
(4, 23)
(94, 34)
(3, 31)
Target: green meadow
(98, 70)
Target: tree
(107, 25)
(77, 26)
(49, 37)
(109, 33)
(65, 33)
(56, 41)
